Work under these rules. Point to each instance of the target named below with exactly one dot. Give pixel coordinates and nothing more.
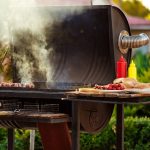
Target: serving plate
(112, 91)
(142, 91)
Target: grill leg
(55, 136)
(120, 127)
(75, 125)
(32, 139)
(10, 139)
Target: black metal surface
(10, 145)
(94, 117)
(120, 127)
(68, 38)
(119, 23)
(75, 125)
(16, 93)
(84, 42)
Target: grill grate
(8, 105)
(27, 106)
(50, 108)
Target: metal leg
(10, 139)
(75, 126)
(120, 127)
(32, 139)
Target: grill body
(84, 40)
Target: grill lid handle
(125, 41)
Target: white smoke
(26, 69)
(23, 25)
(16, 18)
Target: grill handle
(125, 41)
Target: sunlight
(146, 3)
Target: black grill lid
(84, 42)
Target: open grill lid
(84, 43)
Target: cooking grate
(6, 105)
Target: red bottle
(121, 68)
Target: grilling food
(142, 85)
(21, 85)
(89, 90)
(127, 82)
(118, 84)
(112, 86)
(99, 88)
(130, 83)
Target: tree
(133, 7)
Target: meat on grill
(22, 85)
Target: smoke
(24, 26)
(27, 29)
(4, 33)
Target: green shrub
(38, 144)
(22, 138)
(100, 141)
(136, 136)
(137, 110)
(142, 62)
(3, 139)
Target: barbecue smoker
(87, 41)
